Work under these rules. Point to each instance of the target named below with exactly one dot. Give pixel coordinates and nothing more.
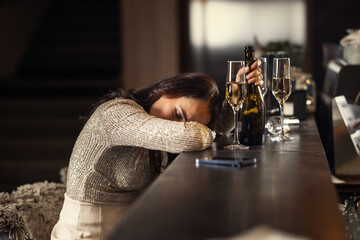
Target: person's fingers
(243, 70)
(256, 64)
(259, 83)
(241, 73)
(254, 73)
(258, 80)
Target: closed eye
(176, 114)
(180, 114)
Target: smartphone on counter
(231, 162)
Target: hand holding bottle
(255, 76)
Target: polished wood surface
(289, 189)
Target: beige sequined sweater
(110, 160)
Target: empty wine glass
(281, 89)
(235, 95)
(273, 125)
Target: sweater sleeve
(127, 124)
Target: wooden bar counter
(288, 190)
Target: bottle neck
(249, 58)
(249, 55)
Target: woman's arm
(126, 123)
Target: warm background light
(221, 24)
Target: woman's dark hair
(192, 85)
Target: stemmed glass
(263, 67)
(235, 95)
(281, 89)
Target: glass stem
(236, 133)
(282, 134)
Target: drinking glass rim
(236, 61)
(282, 58)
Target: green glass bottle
(252, 118)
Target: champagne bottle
(252, 127)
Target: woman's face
(182, 109)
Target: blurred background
(57, 57)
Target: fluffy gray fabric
(31, 211)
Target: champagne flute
(235, 95)
(281, 89)
(263, 67)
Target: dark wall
(19, 21)
(331, 18)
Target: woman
(121, 148)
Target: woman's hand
(255, 76)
